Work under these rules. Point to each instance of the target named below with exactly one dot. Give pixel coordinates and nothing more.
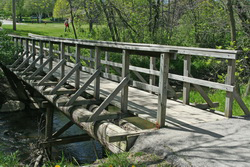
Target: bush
(1, 23)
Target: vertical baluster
(62, 57)
(41, 52)
(51, 55)
(77, 57)
(34, 49)
(107, 59)
(97, 66)
(152, 67)
(162, 97)
(125, 73)
(186, 72)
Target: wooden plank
(84, 87)
(230, 80)
(97, 79)
(41, 68)
(138, 75)
(63, 129)
(80, 102)
(241, 103)
(51, 55)
(200, 82)
(92, 57)
(20, 58)
(186, 85)
(125, 74)
(60, 92)
(27, 48)
(163, 83)
(50, 73)
(205, 106)
(31, 65)
(152, 67)
(106, 102)
(107, 59)
(49, 83)
(33, 49)
(144, 86)
(24, 62)
(41, 52)
(62, 57)
(77, 73)
(64, 80)
(66, 140)
(123, 136)
(34, 78)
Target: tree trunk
(14, 14)
(232, 20)
(72, 18)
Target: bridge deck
(144, 104)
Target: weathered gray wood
(50, 73)
(241, 103)
(163, 83)
(200, 82)
(32, 65)
(84, 87)
(49, 83)
(80, 102)
(20, 58)
(34, 49)
(92, 58)
(51, 55)
(24, 62)
(138, 75)
(27, 47)
(107, 59)
(107, 101)
(205, 106)
(66, 140)
(62, 57)
(230, 80)
(97, 79)
(152, 67)
(65, 78)
(204, 95)
(186, 72)
(41, 52)
(49, 123)
(77, 73)
(125, 74)
(63, 129)
(41, 67)
(61, 91)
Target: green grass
(9, 160)
(220, 96)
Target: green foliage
(9, 160)
(61, 9)
(7, 48)
(120, 160)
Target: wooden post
(27, 48)
(186, 72)
(62, 57)
(125, 73)
(41, 52)
(97, 66)
(91, 57)
(77, 57)
(22, 46)
(107, 59)
(34, 49)
(49, 126)
(51, 54)
(162, 97)
(152, 67)
(230, 80)
(69, 51)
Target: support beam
(41, 67)
(63, 129)
(186, 72)
(125, 74)
(24, 62)
(31, 65)
(106, 102)
(51, 72)
(77, 58)
(230, 80)
(62, 57)
(84, 87)
(97, 79)
(20, 58)
(163, 83)
(241, 103)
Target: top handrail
(217, 53)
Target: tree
(38, 7)
(72, 16)
(61, 9)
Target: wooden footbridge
(78, 78)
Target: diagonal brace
(41, 67)
(65, 78)
(31, 65)
(106, 102)
(51, 72)
(18, 60)
(25, 61)
(84, 87)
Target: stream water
(20, 131)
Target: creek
(22, 130)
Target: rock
(12, 106)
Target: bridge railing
(92, 59)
